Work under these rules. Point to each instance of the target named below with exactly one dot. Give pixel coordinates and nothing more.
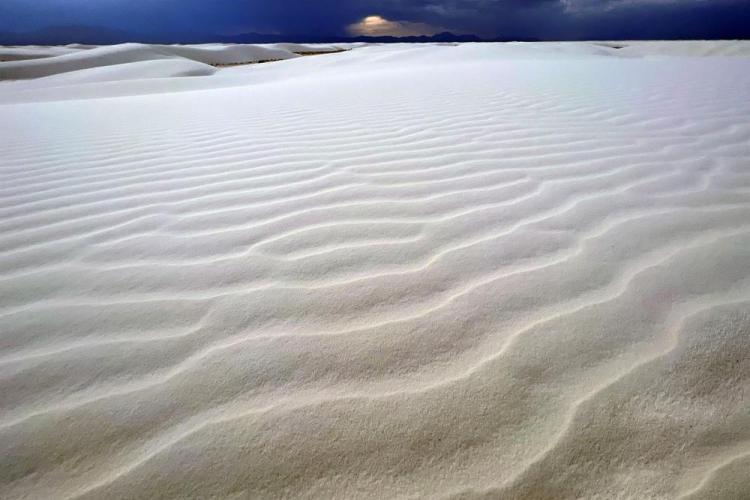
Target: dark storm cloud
(543, 19)
(581, 19)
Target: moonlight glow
(375, 25)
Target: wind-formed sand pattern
(512, 271)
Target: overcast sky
(544, 19)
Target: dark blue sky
(543, 19)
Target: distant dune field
(516, 271)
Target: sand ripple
(532, 281)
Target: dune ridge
(475, 271)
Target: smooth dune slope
(512, 271)
(66, 59)
(23, 53)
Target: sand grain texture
(480, 271)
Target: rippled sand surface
(482, 271)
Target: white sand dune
(98, 57)
(137, 70)
(311, 48)
(228, 54)
(23, 53)
(478, 271)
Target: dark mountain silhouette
(95, 35)
(263, 38)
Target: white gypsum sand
(477, 271)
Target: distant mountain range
(261, 38)
(94, 35)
